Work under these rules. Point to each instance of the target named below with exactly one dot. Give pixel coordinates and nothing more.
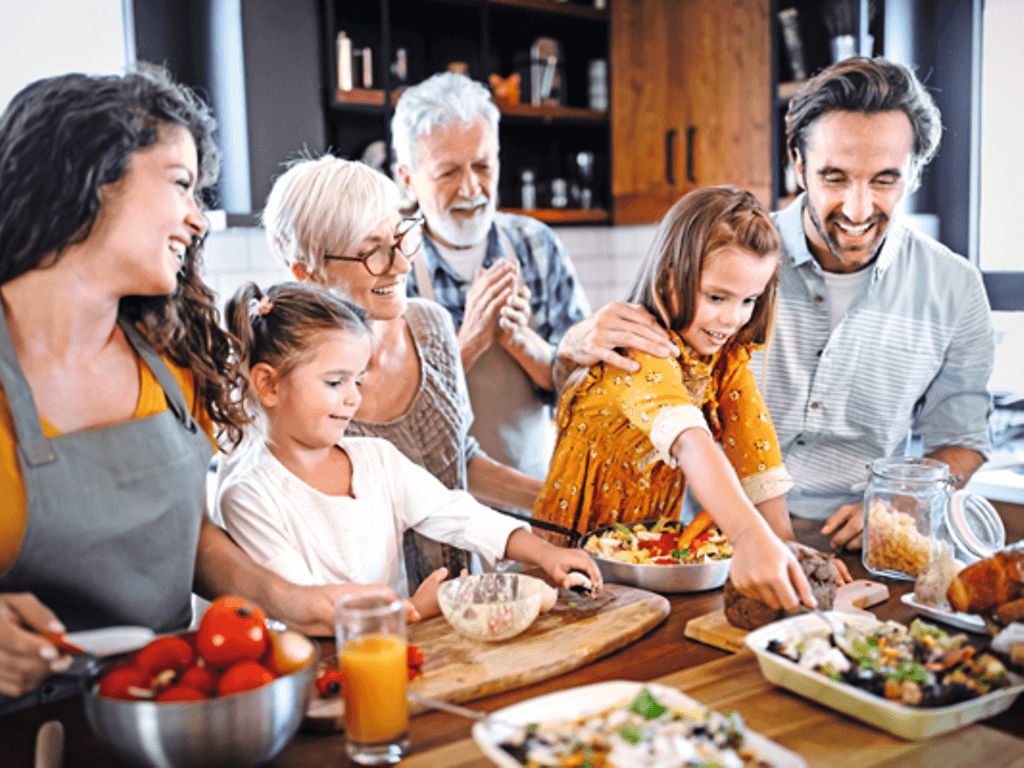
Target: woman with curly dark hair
(114, 373)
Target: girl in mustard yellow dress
(629, 443)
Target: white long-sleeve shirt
(310, 538)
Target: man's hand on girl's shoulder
(616, 326)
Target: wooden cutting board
(576, 631)
(823, 737)
(715, 630)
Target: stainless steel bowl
(661, 578)
(242, 730)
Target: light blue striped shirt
(914, 349)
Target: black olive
(932, 694)
(957, 692)
(518, 752)
(875, 684)
(920, 652)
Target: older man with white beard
(506, 280)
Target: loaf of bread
(987, 584)
(749, 613)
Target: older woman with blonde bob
(336, 223)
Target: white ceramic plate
(108, 641)
(898, 719)
(589, 699)
(965, 621)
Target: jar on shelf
(911, 517)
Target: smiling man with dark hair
(880, 329)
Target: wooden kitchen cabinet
(691, 101)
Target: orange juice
(376, 676)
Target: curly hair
(867, 86)
(64, 138)
(699, 225)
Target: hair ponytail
(280, 327)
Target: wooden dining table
(722, 680)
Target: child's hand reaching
(424, 603)
(556, 561)
(559, 561)
(762, 567)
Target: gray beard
(462, 235)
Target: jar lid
(974, 525)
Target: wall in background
(89, 38)
(606, 258)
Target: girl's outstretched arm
(762, 567)
(556, 561)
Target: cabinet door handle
(670, 156)
(691, 139)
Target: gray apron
(512, 426)
(113, 513)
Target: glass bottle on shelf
(528, 191)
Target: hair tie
(259, 307)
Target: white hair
(325, 205)
(444, 99)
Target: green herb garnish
(646, 705)
(624, 529)
(679, 554)
(631, 732)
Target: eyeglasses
(408, 240)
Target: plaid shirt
(557, 298)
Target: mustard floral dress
(612, 461)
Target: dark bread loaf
(748, 613)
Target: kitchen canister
(912, 516)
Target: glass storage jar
(910, 519)
(904, 506)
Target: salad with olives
(920, 665)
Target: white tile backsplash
(606, 258)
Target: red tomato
(660, 546)
(243, 676)
(232, 630)
(200, 678)
(413, 656)
(181, 693)
(701, 538)
(127, 683)
(165, 653)
(329, 683)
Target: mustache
(466, 205)
(875, 218)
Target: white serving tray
(965, 621)
(898, 719)
(589, 699)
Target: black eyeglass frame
(405, 226)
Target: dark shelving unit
(488, 36)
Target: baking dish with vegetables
(662, 555)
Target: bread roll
(749, 613)
(985, 585)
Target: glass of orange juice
(372, 657)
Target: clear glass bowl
(491, 606)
